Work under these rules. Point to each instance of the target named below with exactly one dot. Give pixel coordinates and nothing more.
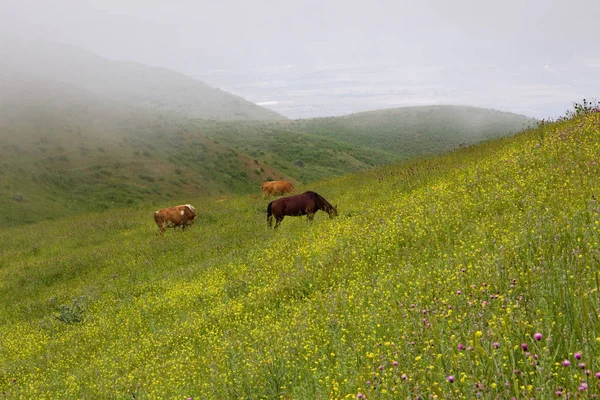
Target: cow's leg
(310, 216)
(277, 222)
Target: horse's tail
(269, 215)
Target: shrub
(69, 313)
(584, 108)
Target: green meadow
(470, 274)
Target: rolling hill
(467, 275)
(158, 89)
(417, 131)
(65, 150)
(80, 133)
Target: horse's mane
(320, 200)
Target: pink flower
(524, 346)
(537, 336)
(578, 355)
(566, 363)
(450, 378)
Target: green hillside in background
(409, 131)
(81, 133)
(67, 151)
(472, 274)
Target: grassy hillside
(434, 283)
(416, 131)
(132, 83)
(65, 151)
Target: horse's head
(333, 212)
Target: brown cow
(183, 216)
(275, 188)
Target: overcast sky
(318, 58)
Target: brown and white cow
(183, 216)
(275, 188)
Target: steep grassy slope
(132, 83)
(433, 282)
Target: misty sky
(318, 58)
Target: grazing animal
(307, 203)
(275, 188)
(183, 216)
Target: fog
(314, 58)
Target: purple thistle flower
(537, 336)
(524, 346)
(558, 393)
(496, 345)
(578, 355)
(461, 346)
(458, 292)
(598, 375)
(583, 386)
(360, 396)
(403, 376)
(566, 363)
(450, 378)
(581, 365)
(395, 363)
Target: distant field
(468, 275)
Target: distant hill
(127, 82)
(417, 131)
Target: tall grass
(473, 274)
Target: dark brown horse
(307, 203)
